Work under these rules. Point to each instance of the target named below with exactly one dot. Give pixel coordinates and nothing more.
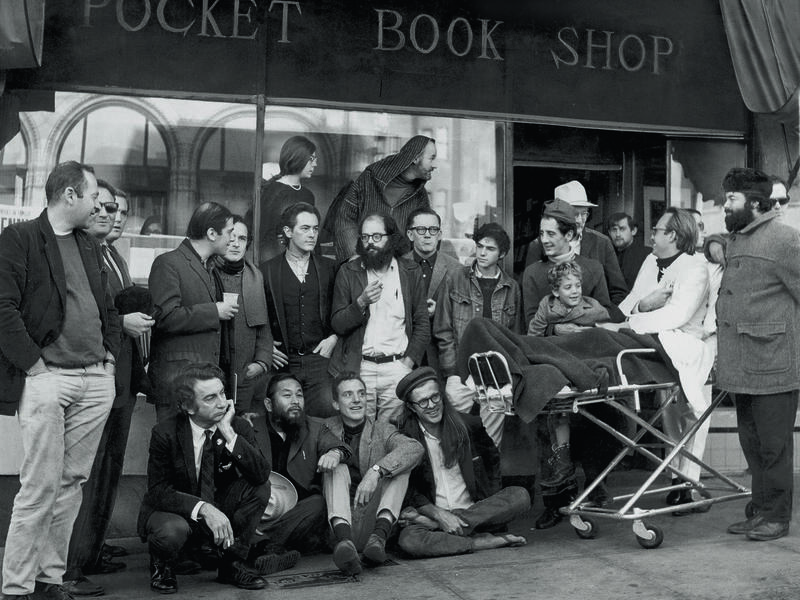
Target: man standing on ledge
(758, 314)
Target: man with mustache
(380, 314)
(758, 312)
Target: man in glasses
(454, 501)
(59, 339)
(380, 315)
(424, 230)
(780, 193)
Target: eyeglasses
(654, 229)
(110, 207)
(375, 237)
(424, 230)
(783, 201)
(431, 400)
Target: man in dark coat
(207, 482)
(758, 315)
(394, 185)
(631, 252)
(470, 511)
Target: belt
(382, 358)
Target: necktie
(207, 469)
(111, 264)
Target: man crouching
(454, 501)
(206, 481)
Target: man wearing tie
(87, 552)
(207, 481)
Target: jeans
(61, 416)
(381, 380)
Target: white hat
(574, 193)
(283, 498)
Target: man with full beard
(379, 311)
(300, 448)
(758, 312)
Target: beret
(413, 380)
(560, 210)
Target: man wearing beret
(758, 312)
(454, 501)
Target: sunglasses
(109, 207)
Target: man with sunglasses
(59, 339)
(454, 503)
(380, 315)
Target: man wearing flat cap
(587, 242)
(454, 503)
(758, 315)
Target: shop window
(13, 168)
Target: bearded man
(758, 312)
(379, 311)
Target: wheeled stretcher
(493, 382)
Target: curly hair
(558, 272)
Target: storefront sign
(665, 65)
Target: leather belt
(383, 358)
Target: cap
(413, 380)
(559, 210)
(574, 193)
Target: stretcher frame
(495, 390)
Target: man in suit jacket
(424, 230)
(299, 288)
(59, 339)
(87, 553)
(206, 481)
(379, 466)
(188, 304)
(300, 448)
(467, 512)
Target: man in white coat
(669, 298)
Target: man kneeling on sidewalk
(365, 494)
(454, 501)
(206, 482)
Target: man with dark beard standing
(380, 314)
(758, 312)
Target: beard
(736, 220)
(376, 258)
(289, 423)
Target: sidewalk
(697, 560)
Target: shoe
(83, 586)
(104, 566)
(743, 527)
(686, 498)
(345, 557)
(162, 577)
(549, 518)
(114, 551)
(375, 550)
(561, 467)
(52, 591)
(768, 530)
(266, 564)
(239, 574)
(598, 497)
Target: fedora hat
(574, 193)
(282, 498)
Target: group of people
(307, 403)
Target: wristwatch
(377, 469)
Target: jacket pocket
(463, 311)
(764, 347)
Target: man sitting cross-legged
(454, 501)
(206, 480)
(379, 466)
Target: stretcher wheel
(589, 529)
(750, 510)
(651, 542)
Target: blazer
(383, 445)
(187, 327)
(172, 484)
(273, 288)
(349, 322)
(33, 291)
(479, 462)
(314, 439)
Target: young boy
(566, 306)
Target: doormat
(316, 578)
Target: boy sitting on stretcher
(566, 305)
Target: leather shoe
(83, 586)
(162, 577)
(104, 566)
(239, 574)
(345, 557)
(375, 550)
(51, 591)
(743, 527)
(549, 518)
(768, 530)
(686, 498)
(114, 551)
(266, 564)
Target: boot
(561, 467)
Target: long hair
(294, 156)
(455, 437)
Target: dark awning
(21, 33)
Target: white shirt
(385, 332)
(198, 441)
(451, 489)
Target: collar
(200, 432)
(418, 258)
(758, 221)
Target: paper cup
(231, 298)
